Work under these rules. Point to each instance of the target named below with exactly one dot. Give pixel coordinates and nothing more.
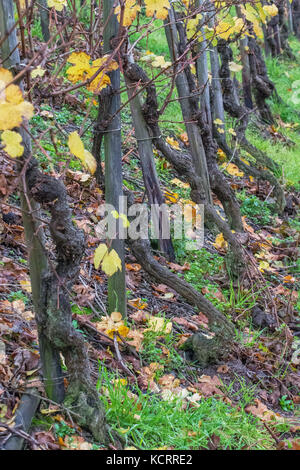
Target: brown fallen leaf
(169, 381)
(201, 319)
(223, 369)
(135, 339)
(262, 412)
(140, 316)
(209, 386)
(46, 440)
(184, 322)
(179, 268)
(18, 306)
(146, 377)
(2, 353)
(289, 445)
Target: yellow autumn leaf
(119, 382)
(76, 145)
(263, 265)
(190, 213)
(99, 254)
(77, 148)
(89, 162)
(232, 131)
(13, 108)
(221, 154)
(83, 69)
(115, 214)
(124, 219)
(111, 263)
(224, 30)
(271, 10)
(101, 81)
(232, 169)
(220, 130)
(26, 285)
(171, 197)
(245, 161)
(81, 64)
(254, 17)
(158, 324)
(159, 61)
(157, 7)
(38, 72)
(111, 332)
(105, 62)
(57, 4)
(12, 141)
(123, 330)
(192, 25)
(179, 183)
(233, 67)
(218, 122)
(173, 143)
(113, 324)
(220, 242)
(130, 11)
(137, 303)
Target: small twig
(271, 433)
(19, 432)
(120, 357)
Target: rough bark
(189, 89)
(44, 17)
(284, 29)
(54, 316)
(246, 77)
(237, 110)
(262, 87)
(100, 128)
(195, 141)
(38, 262)
(206, 348)
(155, 197)
(202, 73)
(113, 160)
(273, 36)
(52, 280)
(296, 17)
(184, 164)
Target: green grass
(67, 120)
(148, 422)
(156, 43)
(284, 73)
(152, 350)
